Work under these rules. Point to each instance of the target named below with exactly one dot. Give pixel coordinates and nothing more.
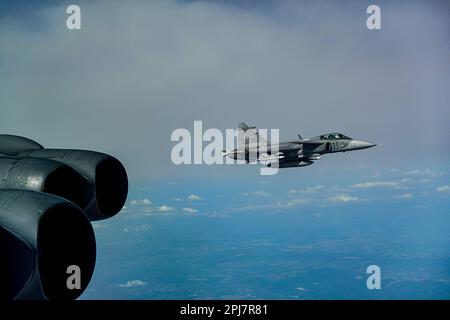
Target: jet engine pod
(44, 175)
(42, 237)
(105, 173)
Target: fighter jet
(294, 153)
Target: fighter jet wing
(294, 158)
(307, 147)
(265, 158)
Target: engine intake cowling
(105, 173)
(44, 175)
(41, 235)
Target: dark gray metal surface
(12, 145)
(23, 217)
(47, 197)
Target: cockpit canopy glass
(334, 136)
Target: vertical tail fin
(244, 126)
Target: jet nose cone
(362, 144)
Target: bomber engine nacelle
(106, 175)
(44, 175)
(47, 197)
(41, 236)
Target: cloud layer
(132, 284)
(136, 71)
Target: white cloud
(375, 184)
(403, 196)
(317, 214)
(165, 208)
(344, 198)
(274, 206)
(149, 62)
(190, 210)
(132, 284)
(308, 190)
(427, 172)
(143, 202)
(295, 202)
(261, 194)
(411, 172)
(194, 197)
(98, 225)
(144, 227)
(444, 189)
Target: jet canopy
(334, 136)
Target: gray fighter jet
(295, 153)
